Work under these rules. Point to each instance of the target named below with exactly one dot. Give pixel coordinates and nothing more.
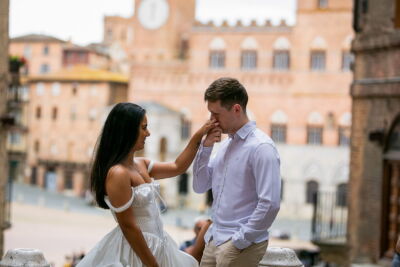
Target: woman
(123, 184)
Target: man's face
(224, 116)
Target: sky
(82, 20)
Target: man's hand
(213, 136)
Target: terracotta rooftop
(81, 74)
(36, 38)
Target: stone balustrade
(27, 257)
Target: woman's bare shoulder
(119, 174)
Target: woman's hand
(208, 125)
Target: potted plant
(15, 63)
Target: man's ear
(237, 108)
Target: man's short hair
(227, 90)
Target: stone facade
(373, 224)
(174, 63)
(297, 76)
(67, 110)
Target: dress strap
(123, 207)
(150, 167)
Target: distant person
(196, 245)
(68, 261)
(124, 184)
(396, 257)
(244, 177)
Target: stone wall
(376, 104)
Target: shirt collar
(245, 130)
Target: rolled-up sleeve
(202, 170)
(266, 171)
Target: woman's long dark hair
(119, 135)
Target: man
(244, 178)
(195, 246)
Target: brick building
(374, 220)
(66, 113)
(298, 78)
(65, 86)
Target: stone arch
(282, 43)
(217, 44)
(249, 43)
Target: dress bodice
(145, 206)
(114, 249)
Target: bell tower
(160, 27)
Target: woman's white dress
(114, 250)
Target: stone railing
(26, 257)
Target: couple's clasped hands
(213, 132)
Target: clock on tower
(160, 27)
(153, 14)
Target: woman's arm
(119, 192)
(170, 169)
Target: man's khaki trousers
(227, 255)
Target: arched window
(318, 54)
(36, 146)
(68, 179)
(217, 53)
(186, 126)
(322, 3)
(54, 113)
(281, 57)
(314, 128)
(344, 129)
(217, 59)
(249, 48)
(278, 126)
(38, 112)
(248, 60)
(318, 60)
(341, 195)
(56, 89)
(347, 60)
(311, 191)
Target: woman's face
(143, 134)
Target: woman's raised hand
(209, 125)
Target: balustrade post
(24, 257)
(280, 257)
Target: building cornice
(376, 87)
(373, 41)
